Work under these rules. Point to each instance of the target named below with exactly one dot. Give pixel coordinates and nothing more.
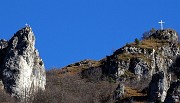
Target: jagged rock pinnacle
(167, 35)
(23, 71)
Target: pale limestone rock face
(23, 70)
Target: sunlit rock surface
(22, 69)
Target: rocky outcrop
(3, 44)
(158, 87)
(167, 35)
(152, 57)
(22, 69)
(139, 67)
(119, 92)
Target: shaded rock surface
(173, 94)
(22, 69)
(158, 87)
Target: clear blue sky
(68, 31)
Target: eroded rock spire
(22, 70)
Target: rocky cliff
(152, 57)
(21, 68)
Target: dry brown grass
(152, 43)
(179, 45)
(79, 66)
(132, 92)
(127, 57)
(74, 89)
(5, 97)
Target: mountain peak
(22, 69)
(169, 35)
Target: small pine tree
(137, 41)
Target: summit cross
(161, 22)
(26, 25)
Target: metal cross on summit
(161, 22)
